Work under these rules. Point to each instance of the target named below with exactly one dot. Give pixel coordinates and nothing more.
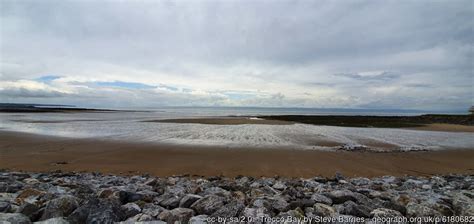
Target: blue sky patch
(128, 85)
(47, 78)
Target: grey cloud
(272, 46)
(384, 76)
(29, 93)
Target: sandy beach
(20, 151)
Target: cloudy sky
(344, 54)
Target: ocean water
(128, 126)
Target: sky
(324, 54)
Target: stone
(338, 176)
(31, 181)
(208, 204)
(29, 195)
(60, 207)
(391, 204)
(5, 206)
(180, 215)
(385, 213)
(130, 209)
(216, 191)
(200, 219)
(188, 200)
(323, 210)
(463, 203)
(360, 181)
(139, 218)
(293, 216)
(300, 203)
(97, 211)
(279, 185)
(239, 196)
(231, 209)
(412, 184)
(319, 198)
(256, 214)
(419, 210)
(341, 196)
(114, 194)
(152, 210)
(169, 200)
(426, 187)
(30, 210)
(357, 210)
(57, 220)
(14, 218)
(278, 204)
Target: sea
(128, 125)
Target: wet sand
(20, 151)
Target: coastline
(29, 152)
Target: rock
(438, 181)
(57, 220)
(426, 187)
(139, 218)
(403, 199)
(301, 203)
(133, 197)
(419, 210)
(239, 196)
(412, 184)
(256, 214)
(141, 222)
(114, 194)
(31, 181)
(97, 211)
(130, 209)
(169, 200)
(385, 213)
(463, 203)
(30, 210)
(60, 207)
(360, 181)
(29, 195)
(323, 210)
(14, 218)
(188, 200)
(216, 191)
(231, 209)
(151, 182)
(292, 216)
(394, 206)
(208, 205)
(341, 196)
(180, 215)
(357, 210)
(279, 185)
(278, 204)
(152, 210)
(338, 176)
(11, 187)
(143, 195)
(319, 198)
(200, 219)
(352, 147)
(5, 206)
